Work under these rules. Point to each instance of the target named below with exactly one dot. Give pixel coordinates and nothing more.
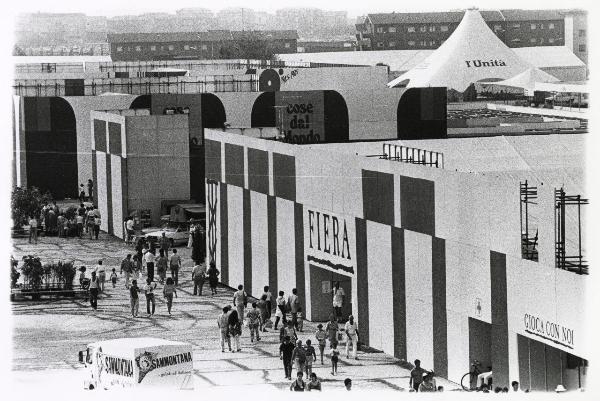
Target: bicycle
(472, 375)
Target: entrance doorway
(322, 282)
(543, 367)
(480, 345)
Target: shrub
(27, 202)
(33, 271)
(14, 273)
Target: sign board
(301, 116)
(549, 330)
(329, 240)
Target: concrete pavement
(47, 334)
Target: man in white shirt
(129, 228)
(101, 272)
(149, 259)
(338, 300)
(351, 330)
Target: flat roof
(556, 159)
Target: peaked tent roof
(472, 53)
(527, 79)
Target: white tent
(527, 80)
(471, 54)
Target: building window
(541, 26)
(379, 30)
(411, 42)
(516, 26)
(153, 48)
(444, 28)
(379, 44)
(392, 29)
(138, 48)
(550, 40)
(186, 47)
(392, 44)
(287, 45)
(432, 43)
(497, 28)
(171, 47)
(119, 48)
(582, 33)
(551, 25)
(423, 43)
(423, 28)
(533, 26)
(516, 40)
(162, 48)
(541, 41)
(432, 28)
(204, 47)
(532, 40)
(582, 49)
(411, 29)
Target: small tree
(27, 202)
(33, 271)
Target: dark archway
(263, 111)
(141, 102)
(422, 114)
(336, 124)
(269, 81)
(213, 111)
(51, 146)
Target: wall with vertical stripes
(435, 255)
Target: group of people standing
(56, 222)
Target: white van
(130, 362)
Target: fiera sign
(549, 330)
(329, 240)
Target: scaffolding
(405, 154)
(564, 260)
(528, 196)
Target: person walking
(268, 299)
(351, 329)
(288, 331)
(311, 356)
(101, 272)
(94, 287)
(253, 317)
(332, 331)
(286, 348)
(113, 277)
(60, 221)
(90, 186)
(97, 223)
(321, 336)
(175, 266)
(264, 315)
(298, 384)
(240, 299)
(335, 355)
(33, 229)
(127, 267)
(168, 291)
(165, 244)
(198, 277)
(223, 324)
(280, 312)
(314, 383)
(293, 306)
(161, 266)
(79, 222)
(213, 278)
(416, 376)
(149, 259)
(235, 329)
(90, 218)
(338, 300)
(149, 291)
(134, 298)
(129, 230)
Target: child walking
(168, 291)
(335, 354)
(254, 322)
(113, 277)
(299, 319)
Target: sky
(354, 8)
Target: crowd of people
(85, 220)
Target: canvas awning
(527, 80)
(471, 54)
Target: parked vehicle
(131, 362)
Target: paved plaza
(47, 334)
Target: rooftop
(207, 36)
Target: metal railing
(410, 155)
